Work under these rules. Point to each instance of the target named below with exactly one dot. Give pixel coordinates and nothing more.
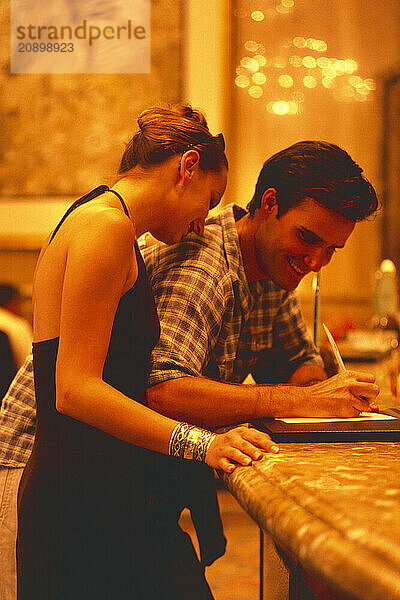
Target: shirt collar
(228, 216)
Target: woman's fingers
(226, 465)
(239, 446)
(238, 456)
(251, 442)
(259, 439)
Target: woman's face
(195, 193)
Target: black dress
(94, 519)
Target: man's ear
(269, 202)
(188, 164)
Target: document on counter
(363, 416)
(367, 427)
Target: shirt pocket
(256, 341)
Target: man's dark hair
(317, 170)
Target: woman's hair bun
(141, 123)
(164, 132)
(188, 112)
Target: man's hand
(239, 446)
(344, 395)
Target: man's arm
(192, 306)
(213, 404)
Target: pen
(335, 349)
(338, 358)
(316, 306)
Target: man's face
(302, 240)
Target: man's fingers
(361, 404)
(361, 376)
(368, 391)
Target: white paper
(364, 416)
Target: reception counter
(334, 511)
(329, 514)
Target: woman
(93, 519)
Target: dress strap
(101, 189)
(122, 202)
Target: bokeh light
(370, 83)
(355, 80)
(283, 107)
(329, 83)
(296, 59)
(280, 108)
(323, 62)
(285, 81)
(257, 15)
(351, 65)
(251, 46)
(259, 78)
(255, 91)
(260, 60)
(242, 81)
(250, 64)
(299, 42)
(309, 62)
(309, 81)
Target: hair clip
(218, 138)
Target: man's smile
(296, 268)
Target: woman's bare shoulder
(98, 225)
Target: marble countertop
(335, 507)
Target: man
(227, 309)
(226, 300)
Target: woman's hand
(239, 446)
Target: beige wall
(61, 135)
(64, 134)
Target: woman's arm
(100, 267)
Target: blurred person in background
(15, 335)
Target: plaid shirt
(18, 418)
(213, 323)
